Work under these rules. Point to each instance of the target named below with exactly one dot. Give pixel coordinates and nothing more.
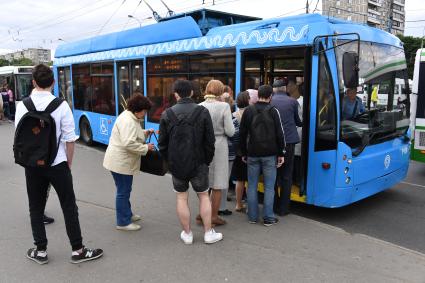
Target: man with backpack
(262, 143)
(44, 146)
(187, 140)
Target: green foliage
(4, 62)
(22, 62)
(411, 45)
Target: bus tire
(86, 133)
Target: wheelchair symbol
(103, 126)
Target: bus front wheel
(86, 132)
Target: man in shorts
(204, 153)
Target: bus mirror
(350, 67)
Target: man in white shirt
(58, 174)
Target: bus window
(23, 86)
(82, 88)
(382, 68)
(64, 84)
(326, 110)
(126, 87)
(163, 71)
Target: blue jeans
(122, 200)
(256, 165)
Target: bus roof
(15, 69)
(183, 35)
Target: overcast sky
(46, 23)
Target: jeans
(60, 177)
(122, 200)
(284, 177)
(268, 166)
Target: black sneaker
(86, 255)
(48, 220)
(39, 257)
(270, 222)
(225, 212)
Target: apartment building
(388, 15)
(36, 55)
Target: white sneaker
(187, 238)
(135, 218)
(129, 227)
(212, 237)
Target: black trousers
(60, 177)
(284, 180)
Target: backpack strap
(172, 116)
(53, 105)
(194, 116)
(27, 101)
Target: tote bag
(153, 162)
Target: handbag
(153, 162)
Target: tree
(4, 62)
(22, 62)
(411, 45)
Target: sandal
(241, 209)
(218, 221)
(200, 222)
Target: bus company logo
(387, 161)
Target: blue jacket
(288, 110)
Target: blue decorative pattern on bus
(209, 42)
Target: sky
(48, 23)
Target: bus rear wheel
(86, 133)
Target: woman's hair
(242, 100)
(137, 102)
(214, 87)
(228, 89)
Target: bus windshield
(377, 110)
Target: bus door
(264, 66)
(329, 181)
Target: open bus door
(264, 66)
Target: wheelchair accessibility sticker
(103, 126)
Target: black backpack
(35, 143)
(182, 157)
(262, 132)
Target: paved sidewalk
(295, 250)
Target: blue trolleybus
(342, 160)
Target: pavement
(296, 250)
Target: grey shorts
(199, 182)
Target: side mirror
(350, 68)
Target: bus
(342, 160)
(418, 108)
(19, 79)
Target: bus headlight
(346, 170)
(347, 180)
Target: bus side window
(326, 110)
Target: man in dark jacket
(288, 110)
(262, 145)
(203, 149)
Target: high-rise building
(36, 55)
(384, 14)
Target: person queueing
(239, 168)
(262, 144)
(223, 128)
(288, 110)
(227, 97)
(186, 140)
(126, 146)
(295, 91)
(58, 173)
